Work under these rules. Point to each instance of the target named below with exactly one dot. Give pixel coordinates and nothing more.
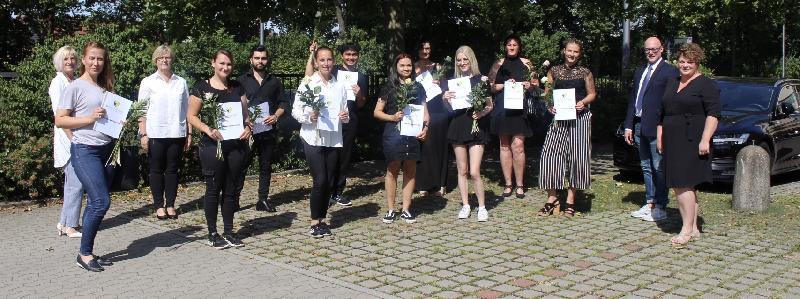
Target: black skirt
(397, 147)
(509, 121)
(460, 131)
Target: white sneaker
(464, 213)
(483, 214)
(644, 210)
(656, 214)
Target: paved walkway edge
(355, 287)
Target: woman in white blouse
(164, 132)
(65, 60)
(321, 146)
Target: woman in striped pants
(568, 146)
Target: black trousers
(349, 131)
(263, 146)
(324, 171)
(165, 157)
(222, 176)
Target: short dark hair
(258, 48)
(422, 43)
(349, 47)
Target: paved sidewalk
(150, 261)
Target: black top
(232, 94)
(566, 77)
(270, 89)
(388, 94)
(512, 68)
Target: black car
(763, 112)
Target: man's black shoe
(231, 240)
(344, 201)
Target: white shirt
(166, 111)
(641, 81)
(302, 113)
(61, 142)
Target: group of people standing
(174, 111)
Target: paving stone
(489, 294)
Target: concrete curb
(369, 292)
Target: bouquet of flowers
(252, 117)
(406, 94)
(546, 85)
(477, 98)
(212, 115)
(127, 134)
(311, 98)
(443, 69)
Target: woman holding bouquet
(322, 147)
(78, 110)
(163, 131)
(568, 142)
(432, 169)
(400, 151)
(468, 130)
(221, 171)
(510, 124)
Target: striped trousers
(567, 147)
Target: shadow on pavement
(126, 217)
(146, 245)
(258, 226)
(340, 217)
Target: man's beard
(262, 67)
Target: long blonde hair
(473, 62)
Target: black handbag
(534, 105)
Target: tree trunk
(395, 27)
(344, 34)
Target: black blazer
(651, 100)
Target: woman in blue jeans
(79, 108)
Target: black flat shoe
(92, 265)
(265, 205)
(103, 262)
(510, 190)
(520, 195)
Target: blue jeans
(89, 162)
(652, 168)
(73, 197)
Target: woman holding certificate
(468, 130)
(80, 108)
(568, 142)
(65, 60)
(508, 119)
(218, 109)
(320, 105)
(163, 130)
(402, 106)
(432, 169)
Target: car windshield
(740, 98)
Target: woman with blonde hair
(65, 60)
(468, 144)
(164, 132)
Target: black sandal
(510, 190)
(548, 208)
(520, 195)
(570, 210)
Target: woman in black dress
(400, 151)
(510, 124)
(467, 143)
(432, 169)
(690, 111)
(568, 143)
(220, 175)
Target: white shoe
(483, 214)
(464, 213)
(656, 214)
(61, 232)
(644, 210)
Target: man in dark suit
(641, 121)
